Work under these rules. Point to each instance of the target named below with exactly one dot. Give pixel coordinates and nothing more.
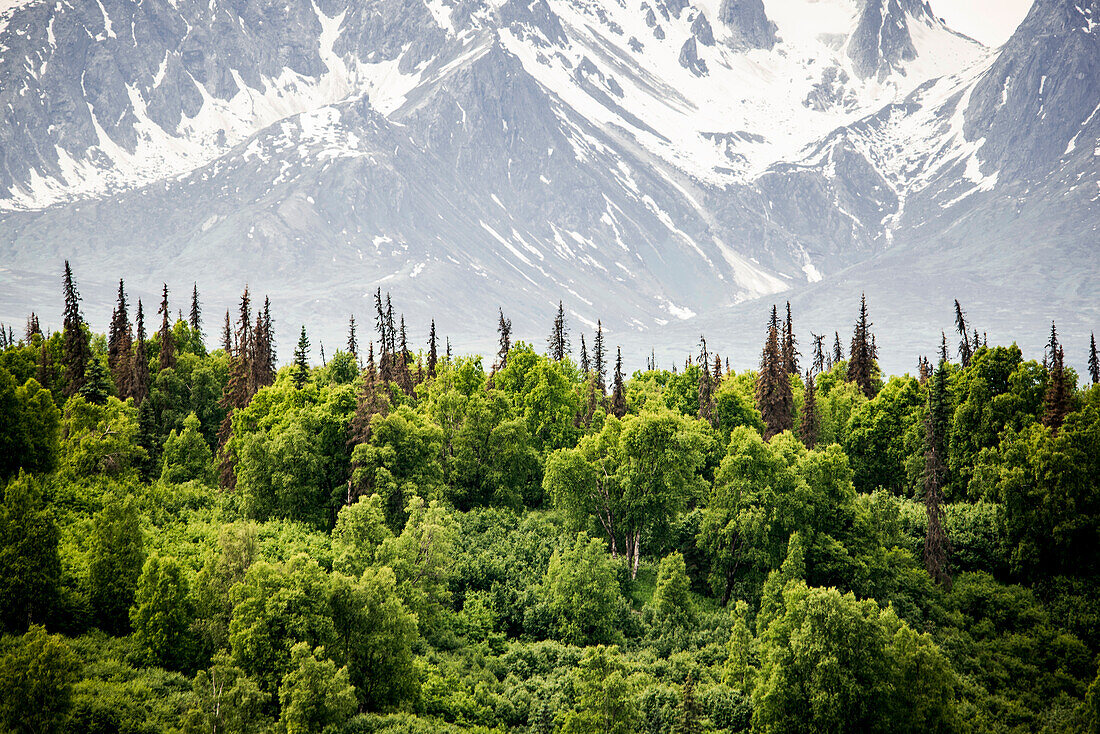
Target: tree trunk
(637, 554)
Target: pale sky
(989, 21)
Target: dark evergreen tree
(819, 352)
(433, 350)
(1058, 401)
(618, 395)
(773, 385)
(76, 344)
(448, 350)
(504, 330)
(263, 349)
(301, 361)
(238, 390)
(585, 365)
(705, 385)
(924, 370)
(44, 373)
(599, 364)
(167, 341)
(120, 346)
(936, 543)
(790, 345)
(140, 381)
(33, 327)
(966, 350)
(861, 368)
(227, 334)
(838, 351)
(195, 317)
(391, 331)
(558, 340)
(1052, 346)
(689, 719)
(717, 375)
(97, 382)
(944, 357)
(1094, 363)
(353, 342)
(149, 468)
(807, 429)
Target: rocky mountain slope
(668, 166)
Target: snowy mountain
(659, 164)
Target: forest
(197, 537)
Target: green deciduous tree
(162, 613)
(374, 638)
(115, 562)
(582, 594)
(274, 608)
(604, 702)
(315, 697)
(186, 456)
(30, 568)
(29, 429)
(36, 678)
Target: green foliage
(603, 702)
(115, 562)
(36, 678)
(581, 594)
(876, 435)
(359, 534)
(100, 439)
(420, 557)
(832, 663)
(314, 695)
(30, 568)
(292, 455)
(374, 638)
(186, 457)
(400, 461)
(672, 603)
(161, 614)
(1048, 484)
(225, 700)
(274, 608)
(29, 429)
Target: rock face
(469, 154)
(748, 23)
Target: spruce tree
(383, 337)
(227, 334)
(433, 350)
(558, 341)
(97, 383)
(140, 380)
(599, 365)
(790, 345)
(705, 385)
(44, 373)
(263, 349)
(372, 400)
(120, 346)
(167, 341)
(195, 317)
(238, 390)
(807, 430)
(76, 345)
(689, 717)
(404, 374)
(936, 544)
(1094, 363)
(819, 352)
(618, 395)
(33, 327)
(965, 348)
(585, 365)
(717, 375)
(861, 355)
(773, 386)
(353, 342)
(300, 371)
(448, 350)
(504, 330)
(838, 351)
(1057, 403)
(944, 357)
